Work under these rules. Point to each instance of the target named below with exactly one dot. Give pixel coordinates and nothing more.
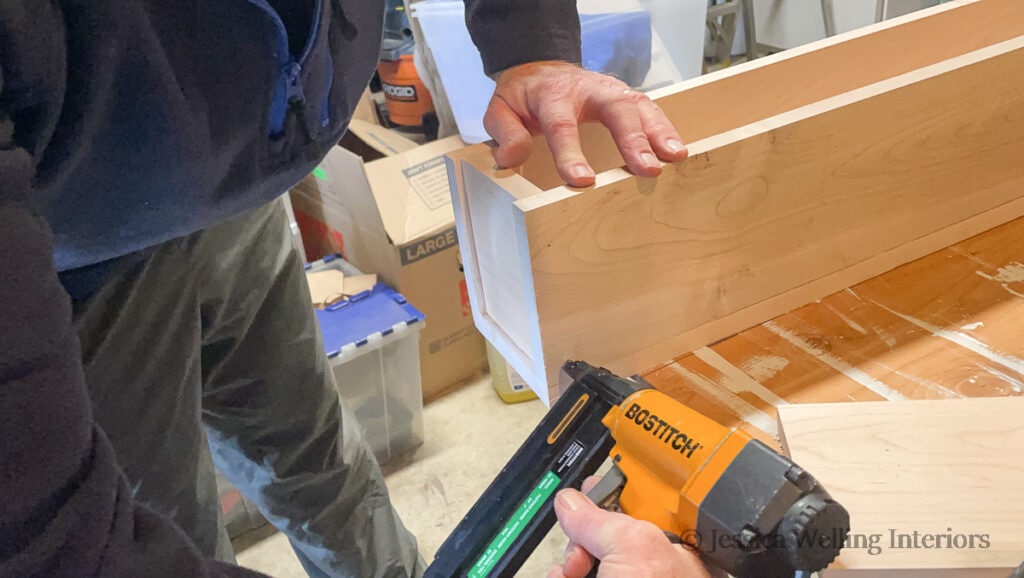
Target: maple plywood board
(739, 95)
(767, 217)
(940, 467)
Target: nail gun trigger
(607, 491)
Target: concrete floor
(470, 434)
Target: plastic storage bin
(372, 342)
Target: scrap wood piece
(326, 287)
(356, 284)
(331, 286)
(929, 485)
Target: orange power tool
(744, 507)
(408, 101)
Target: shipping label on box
(430, 181)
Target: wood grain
(763, 217)
(941, 467)
(746, 93)
(973, 288)
(841, 346)
(639, 263)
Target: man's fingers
(619, 110)
(619, 541)
(556, 572)
(667, 143)
(558, 121)
(577, 562)
(507, 129)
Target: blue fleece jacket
(127, 123)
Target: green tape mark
(320, 173)
(515, 526)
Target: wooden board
(761, 219)
(949, 468)
(754, 227)
(326, 287)
(744, 94)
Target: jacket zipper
(325, 106)
(292, 73)
(288, 90)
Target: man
(627, 548)
(140, 144)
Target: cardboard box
(394, 217)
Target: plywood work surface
(946, 326)
(928, 484)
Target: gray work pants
(209, 352)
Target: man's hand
(553, 98)
(626, 547)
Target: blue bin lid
(374, 313)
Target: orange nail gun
(744, 507)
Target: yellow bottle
(509, 385)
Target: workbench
(948, 325)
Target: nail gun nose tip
(574, 368)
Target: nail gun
(744, 507)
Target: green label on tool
(515, 526)
(320, 173)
